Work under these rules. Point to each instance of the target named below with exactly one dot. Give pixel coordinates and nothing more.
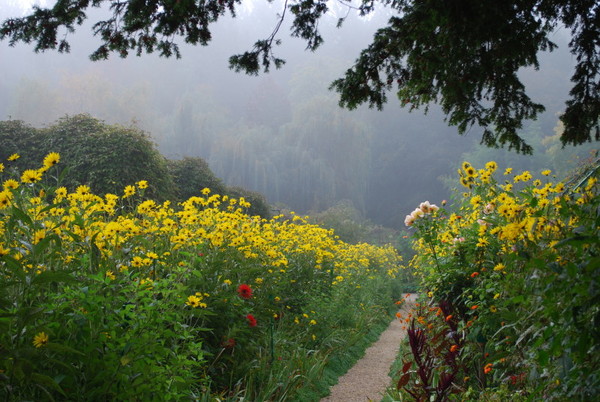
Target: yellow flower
(205, 191)
(14, 157)
(10, 183)
(129, 191)
(493, 309)
(61, 192)
(1, 167)
(142, 184)
(4, 251)
(499, 267)
(227, 282)
(313, 322)
(110, 275)
(508, 171)
(475, 201)
(491, 166)
(193, 301)
(5, 197)
(40, 340)
(31, 176)
(82, 190)
(546, 172)
(51, 159)
(465, 182)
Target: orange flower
(474, 307)
(448, 318)
(474, 274)
(453, 348)
(487, 368)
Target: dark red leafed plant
(435, 345)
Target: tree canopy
(462, 54)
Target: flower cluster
(425, 208)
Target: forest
(172, 229)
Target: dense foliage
(103, 156)
(512, 278)
(464, 56)
(122, 297)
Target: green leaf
(542, 357)
(44, 243)
(52, 276)
(15, 266)
(20, 215)
(43, 379)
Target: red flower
(228, 343)
(474, 274)
(244, 291)
(251, 320)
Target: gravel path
(368, 378)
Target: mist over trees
(282, 134)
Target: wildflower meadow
(117, 296)
(510, 277)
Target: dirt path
(368, 378)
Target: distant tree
(18, 137)
(105, 157)
(258, 203)
(191, 175)
(462, 54)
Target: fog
(282, 133)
